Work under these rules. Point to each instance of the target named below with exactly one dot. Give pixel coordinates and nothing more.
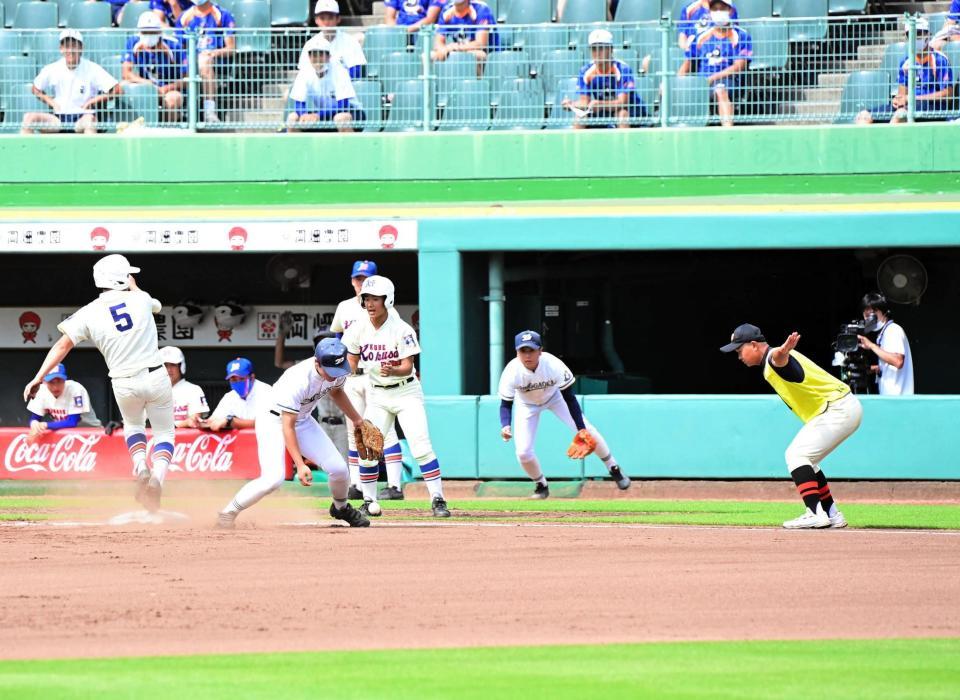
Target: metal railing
(802, 71)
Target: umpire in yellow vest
(828, 409)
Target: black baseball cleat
(151, 495)
(354, 494)
(623, 481)
(391, 493)
(541, 492)
(350, 515)
(365, 509)
(143, 478)
(439, 507)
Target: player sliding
(829, 411)
(120, 324)
(289, 427)
(537, 381)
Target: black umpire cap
(744, 333)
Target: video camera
(854, 362)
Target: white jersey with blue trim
(120, 324)
(300, 389)
(535, 388)
(392, 342)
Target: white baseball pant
(314, 444)
(146, 395)
(356, 390)
(822, 434)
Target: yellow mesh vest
(810, 397)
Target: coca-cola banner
(88, 453)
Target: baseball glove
(583, 444)
(369, 441)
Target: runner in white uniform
(189, 401)
(536, 381)
(120, 324)
(289, 428)
(384, 346)
(349, 311)
(64, 400)
(248, 397)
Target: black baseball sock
(806, 480)
(825, 498)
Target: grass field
(849, 669)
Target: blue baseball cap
(364, 268)
(332, 355)
(59, 372)
(239, 367)
(527, 339)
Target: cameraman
(892, 348)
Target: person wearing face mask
(158, 60)
(78, 86)
(695, 18)
(344, 47)
(606, 89)
(216, 41)
(934, 86)
(323, 94)
(721, 52)
(895, 362)
(248, 397)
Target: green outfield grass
(907, 669)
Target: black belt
(394, 386)
(274, 413)
(154, 369)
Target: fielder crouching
(829, 410)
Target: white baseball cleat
(809, 521)
(837, 520)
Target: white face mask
(721, 18)
(150, 40)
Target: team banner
(207, 237)
(89, 453)
(189, 325)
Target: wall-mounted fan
(287, 272)
(902, 279)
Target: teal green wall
(707, 436)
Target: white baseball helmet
(378, 286)
(174, 356)
(111, 272)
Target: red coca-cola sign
(87, 453)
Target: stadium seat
(812, 30)
(893, 57)
(847, 7)
(771, 46)
(406, 107)
(9, 44)
(539, 40)
(90, 15)
(289, 13)
(561, 64)
(370, 97)
(506, 86)
(637, 11)
(528, 12)
(64, 7)
(506, 65)
(645, 39)
(865, 90)
(112, 63)
(252, 14)
(937, 21)
(560, 118)
(754, 9)
(131, 13)
(140, 100)
(3, 15)
(18, 101)
(583, 11)
(521, 109)
(689, 101)
(43, 46)
(379, 43)
(778, 7)
(398, 67)
(458, 67)
(34, 14)
(15, 71)
(628, 56)
(104, 43)
(648, 89)
(676, 7)
(468, 108)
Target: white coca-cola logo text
(71, 453)
(207, 453)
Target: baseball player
(64, 400)
(120, 324)
(248, 397)
(829, 411)
(189, 401)
(349, 311)
(288, 426)
(384, 345)
(536, 381)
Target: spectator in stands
(323, 93)
(215, 42)
(695, 18)
(78, 86)
(247, 397)
(66, 403)
(158, 60)
(722, 51)
(189, 401)
(462, 28)
(606, 88)
(344, 46)
(170, 10)
(414, 14)
(950, 30)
